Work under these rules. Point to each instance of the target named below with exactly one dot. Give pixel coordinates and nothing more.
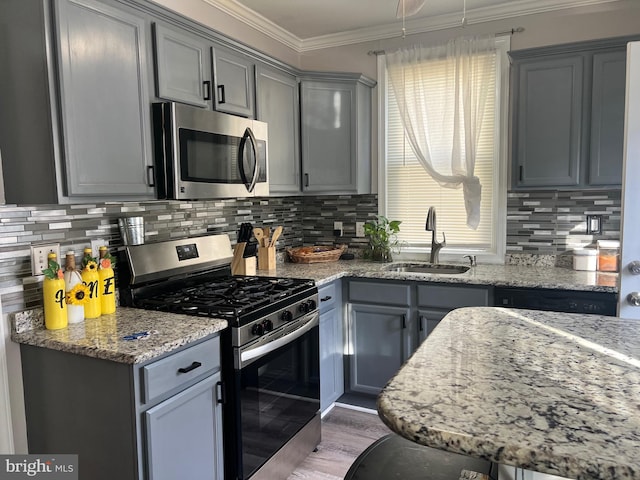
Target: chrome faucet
(430, 226)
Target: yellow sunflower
(91, 265)
(78, 295)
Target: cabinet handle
(326, 299)
(306, 179)
(221, 393)
(150, 176)
(207, 89)
(221, 98)
(193, 366)
(404, 321)
(521, 172)
(421, 327)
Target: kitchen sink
(437, 268)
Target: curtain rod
(507, 32)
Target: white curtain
(449, 110)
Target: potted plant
(383, 237)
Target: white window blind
(410, 191)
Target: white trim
(356, 408)
(392, 29)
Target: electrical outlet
(337, 225)
(95, 246)
(359, 229)
(39, 259)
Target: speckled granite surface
(498, 275)
(103, 337)
(556, 393)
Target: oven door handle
(250, 356)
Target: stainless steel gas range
(270, 352)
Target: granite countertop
(103, 337)
(497, 275)
(554, 392)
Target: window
(406, 191)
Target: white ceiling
(308, 24)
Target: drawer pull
(193, 366)
(326, 299)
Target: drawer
(327, 296)
(383, 293)
(444, 296)
(179, 369)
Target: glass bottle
(107, 282)
(74, 293)
(91, 279)
(55, 307)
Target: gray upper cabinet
(607, 117)
(277, 103)
(568, 115)
(234, 84)
(549, 106)
(336, 134)
(183, 66)
(104, 99)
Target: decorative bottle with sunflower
(76, 291)
(107, 282)
(91, 279)
(55, 307)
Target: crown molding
(393, 29)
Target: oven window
(279, 394)
(213, 158)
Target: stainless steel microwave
(202, 154)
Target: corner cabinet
(336, 133)
(568, 115)
(82, 81)
(277, 103)
(160, 420)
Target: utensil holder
(240, 265)
(267, 258)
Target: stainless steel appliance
(270, 352)
(202, 154)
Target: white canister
(585, 259)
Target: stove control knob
(257, 329)
(312, 305)
(267, 325)
(304, 307)
(286, 316)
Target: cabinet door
(328, 140)
(104, 99)
(607, 118)
(184, 434)
(380, 341)
(182, 67)
(233, 77)
(428, 319)
(277, 103)
(548, 115)
(331, 364)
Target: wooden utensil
(259, 234)
(267, 234)
(276, 235)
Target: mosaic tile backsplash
(539, 223)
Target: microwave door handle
(248, 135)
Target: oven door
(278, 393)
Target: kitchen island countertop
(496, 275)
(553, 392)
(103, 337)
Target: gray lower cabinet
(278, 104)
(183, 66)
(154, 421)
(75, 117)
(234, 82)
(331, 344)
(336, 134)
(568, 114)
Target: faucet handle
(472, 260)
(444, 240)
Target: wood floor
(345, 434)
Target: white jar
(585, 259)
